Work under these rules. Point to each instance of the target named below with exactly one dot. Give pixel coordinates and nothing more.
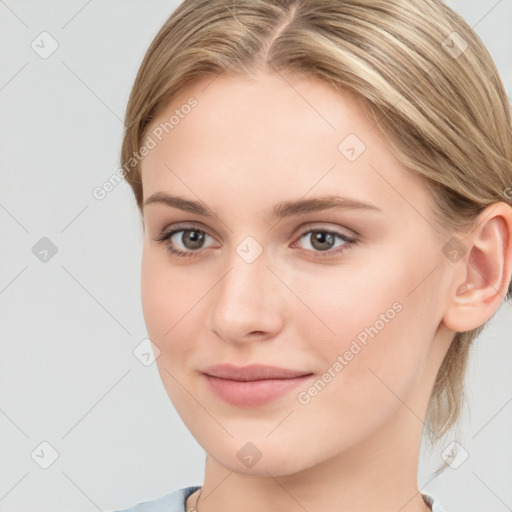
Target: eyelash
(350, 242)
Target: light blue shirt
(175, 502)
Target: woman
(326, 205)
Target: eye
(322, 242)
(184, 242)
(188, 242)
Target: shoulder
(435, 506)
(173, 502)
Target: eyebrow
(279, 211)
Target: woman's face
(352, 296)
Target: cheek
(369, 369)
(371, 333)
(171, 304)
(168, 308)
(163, 298)
(340, 306)
(154, 299)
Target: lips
(252, 372)
(253, 385)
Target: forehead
(271, 134)
(285, 103)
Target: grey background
(68, 375)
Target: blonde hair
(441, 106)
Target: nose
(248, 303)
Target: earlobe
(486, 270)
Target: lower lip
(253, 393)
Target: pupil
(320, 238)
(192, 239)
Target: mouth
(254, 385)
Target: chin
(260, 458)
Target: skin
(248, 145)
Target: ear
(482, 271)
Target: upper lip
(252, 372)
